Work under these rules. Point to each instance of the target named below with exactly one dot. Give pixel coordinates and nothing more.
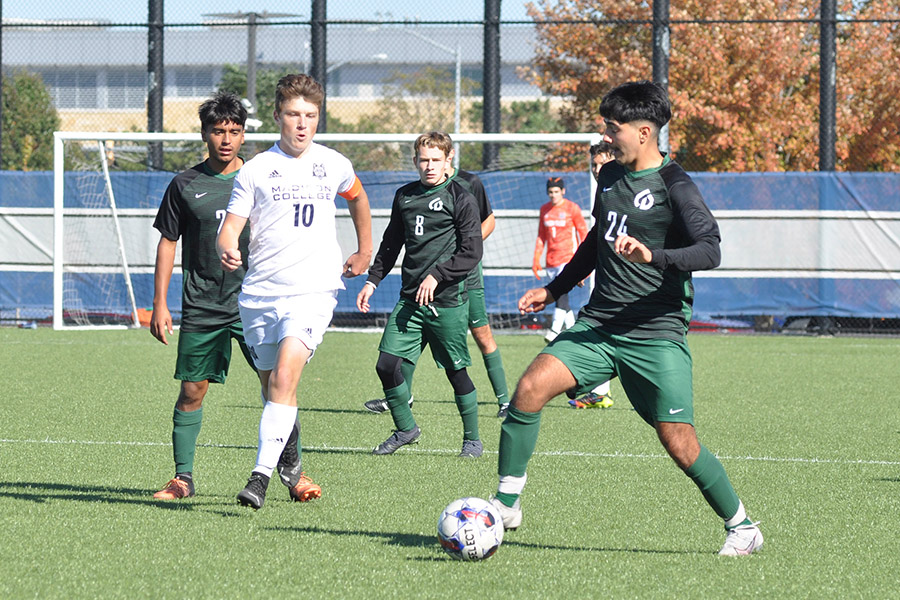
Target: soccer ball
(470, 529)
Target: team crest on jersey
(319, 170)
(436, 204)
(644, 200)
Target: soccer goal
(106, 197)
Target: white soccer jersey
(290, 203)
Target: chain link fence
(745, 90)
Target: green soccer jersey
(663, 209)
(442, 233)
(472, 183)
(193, 209)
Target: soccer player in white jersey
(295, 264)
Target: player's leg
(380, 405)
(202, 357)
(446, 331)
(658, 373)
(282, 335)
(401, 342)
(490, 353)
(577, 356)
(560, 310)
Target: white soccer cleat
(511, 516)
(742, 540)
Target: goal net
(106, 197)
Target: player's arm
(161, 319)
(391, 243)
(227, 241)
(583, 262)
(487, 226)
(539, 247)
(361, 215)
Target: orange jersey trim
(354, 190)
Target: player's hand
(425, 293)
(535, 300)
(582, 282)
(362, 299)
(632, 250)
(231, 259)
(536, 269)
(357, 264)
(160, 323)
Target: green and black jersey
(193, 209)
(663, 209)
(472, 183)
(440, 228)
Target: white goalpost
(105, 200)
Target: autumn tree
(743, 76)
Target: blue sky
(183, 11)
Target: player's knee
(461, 382)
(191, 395)
(388, 369)
(484, 339)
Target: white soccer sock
(559, 316)
(275, 426)
(602, 389)
(512, 485)
(738, 517)
(569, 319)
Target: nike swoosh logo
(456, 362)
(675, 411)
(606, 189)
(407, 201)
(200, 195)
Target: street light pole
(458, 87)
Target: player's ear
(451, 154)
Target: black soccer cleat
(254, 495)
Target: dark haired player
(652, 229)
(192, 209)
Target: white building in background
(96, 72)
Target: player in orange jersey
(561, 229)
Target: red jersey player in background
(561, 229)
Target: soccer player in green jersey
(192, 209)
(479, 324)
(437, 220)
(652, 229)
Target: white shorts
(269, 319)
(553, 272)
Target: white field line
(775, 459)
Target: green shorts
(478, 316)
(410, 327)
(655, 374)
(205, 355)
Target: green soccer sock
(407, 368)
(709, 475)
(398, 401)
(468, 410)
(185, 431)
(518, 437)
(494, 365)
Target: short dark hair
(601, 147)
(556, 182)
(637, 101)
(299, 86)
(224, 107)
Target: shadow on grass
(415, 540)
(44, 492)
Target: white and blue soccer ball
(470, 529)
